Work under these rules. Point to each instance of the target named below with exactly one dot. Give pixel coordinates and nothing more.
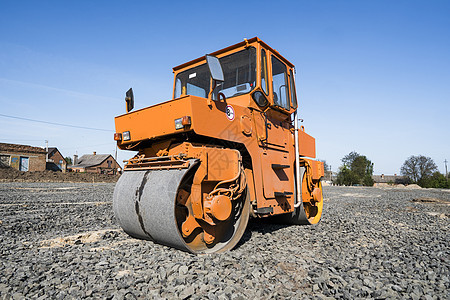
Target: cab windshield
(239, 70)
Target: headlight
(181, 122)
(126, 136)
(178, 124)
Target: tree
(368, 180)
(346, 176)
(68, 160)
(418, 169)
(437, 180)
(356, 169)
(361, 166)
(349, 158)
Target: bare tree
(417, 168)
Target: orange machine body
(261, 137)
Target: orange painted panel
(317, 168)
(223, 164)
(277, 132)
(154, 121)
(307, 144)
(277, 179)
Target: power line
(57, 124)
(88, 146)
(22, 140)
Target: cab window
(279, 84)
(239, 71)
(293, 92)
(264, 82)
(193, 82)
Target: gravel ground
(8, 174)
(60, 240)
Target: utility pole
(46, 148)
(446, 173)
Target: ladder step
(278, 166)
(264, 210)
(282, 194)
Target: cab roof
(227, 49)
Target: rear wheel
(313, 204)
(310, 212)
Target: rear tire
(305, 214)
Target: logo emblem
(230, 112)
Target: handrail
(297, 163)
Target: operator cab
(250, 68)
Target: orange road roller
(227, 147)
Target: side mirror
(129, 99)
(215, 68)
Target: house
(95, 163)
(389, 179)
(22, 157)
(55, 160)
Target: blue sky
(372, 76)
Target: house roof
(21, 148)
(53, 150)
(388, 178)
(91, 160)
